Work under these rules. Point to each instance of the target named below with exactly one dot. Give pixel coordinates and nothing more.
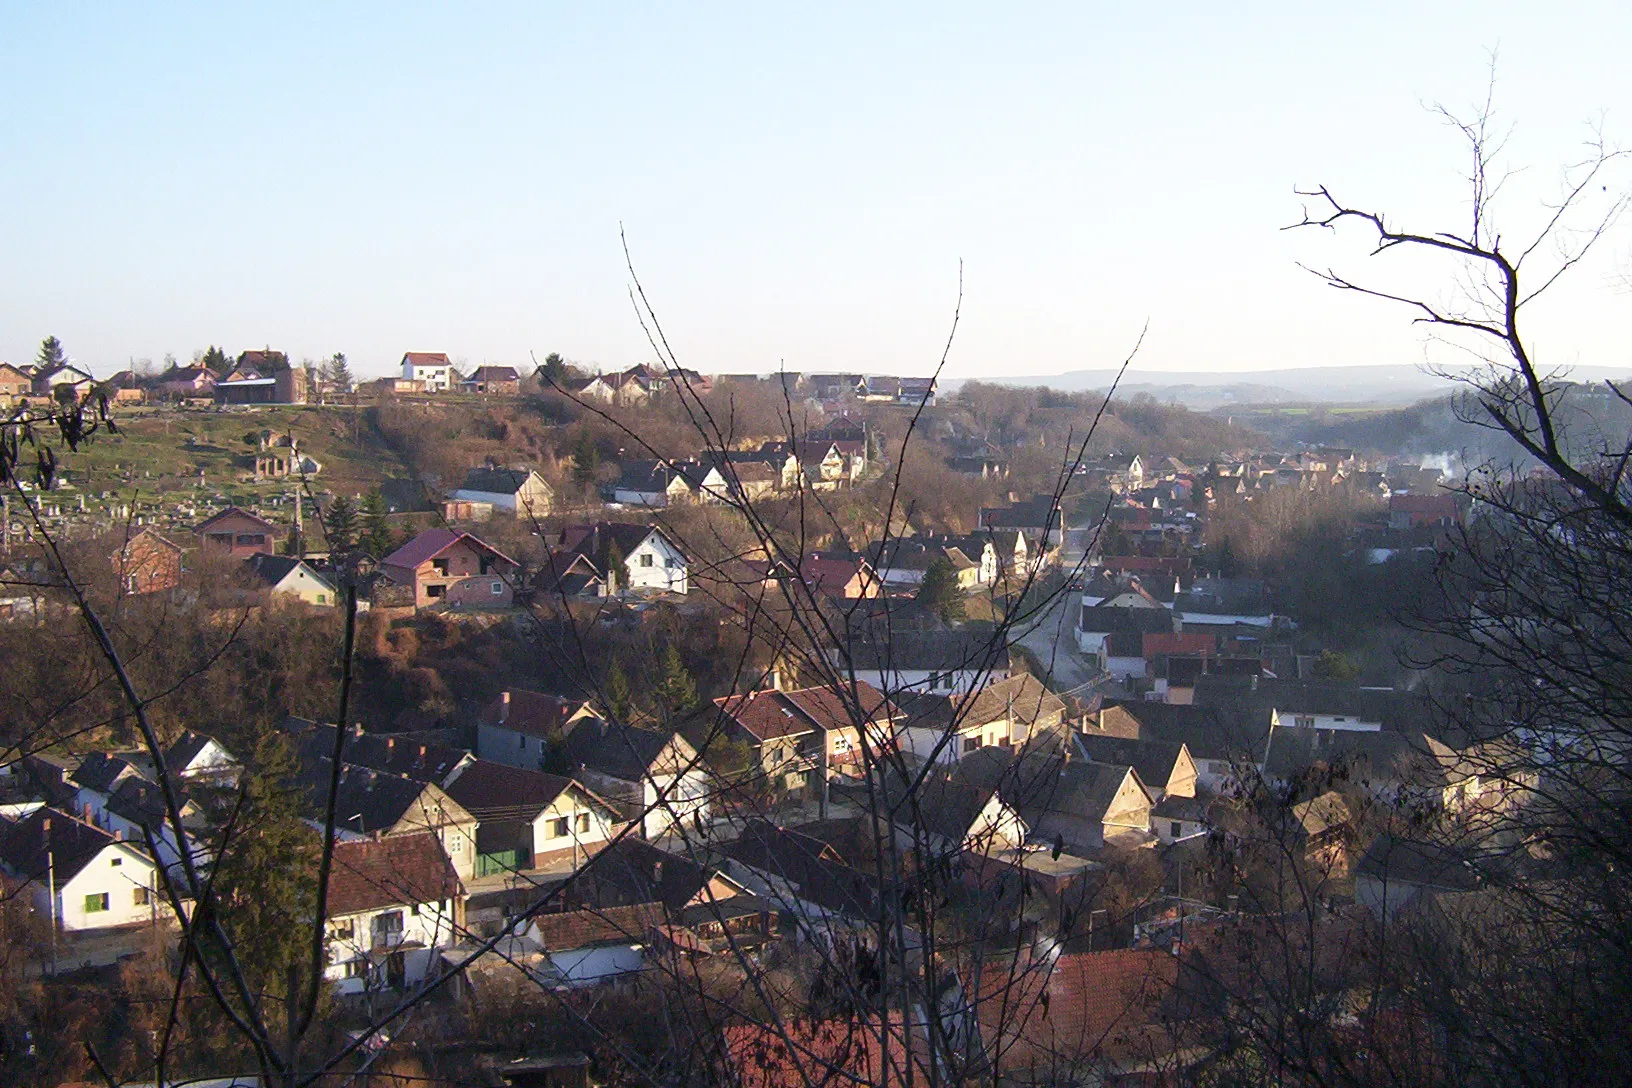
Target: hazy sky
(796, 185)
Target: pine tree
(554, 370)
(376, 525)
(337, 372)
(676, 691)
(341, 523)
(50, 355)
(586, 459)
(619, 697)
(217, 360)
(940, 593)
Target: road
(1051, 635)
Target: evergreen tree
(50, 356)
(554, 370)
(337, 372)
(676, 691)
(940, 593)
(619, 697)
(586, 460)
(217, 360)
(341, 523)
(376, 526)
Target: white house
(198, 758)
(78, 875)
(531, 820)
(952, 662)
(521, 492)
(656, 773)
(646, 559)
(394, 903)
(430, 367)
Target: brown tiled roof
(230, 511)
(827, 1052)
(399, 870)
(432, 543)
(1084, 1006)
(72, 843)
(533, 713)
(491, 790)
(765, 715)
(426, 358)
(603, 925)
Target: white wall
(587, 966)
(432, 928)
(667, 572)
(118, 871)
(960, 682)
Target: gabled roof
(768, 714)
(50, 842)
(426, 358)
(631, 871)
(596, 540)
(432, 543)
(371, 800)
(188, 747)
(234, 511)
(1153, 759)
(535, 713)
(400, 870)
(101, 772)
(494, 374)
(1039, 783)
(271, 570)
(624, 752)
(1209, 732)
(395, 755)
(490, 790)
(499, 481)
(567, 930)
(1021, 699)
(151, 535)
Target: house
(1123, 1017)
(393, 904)
(655, 773)
(1328, 826)
(147, 563)
(136, 811)
(562, 949)
(193, 757)
(804, 734)
(374, 804)
(654, 484)
(430, 367)
(14, 384)
(902, 562)
(186, 382)
(97, 777)
(1164, 767)
(398, 755)
(1396, 873)
(937, 662)
(453, 569)
(529, 819)
(959, 820)
(1437, 509)
(236, 533)
(492, 380)
(840, 577)
(1220, 744)
(1082, 804)
(1318, 704)
(800, 1053)
(633, 558)
(945, 728)
(245, 385)
(1225, 602)
(1131, 619)
(632, 871)
(523, 728)
(569, 575)
(1038, 517)
(285, 578)
(806, 878)
(63, 381)
(79, 876)
(523, 493)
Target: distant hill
(1205, 390)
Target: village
(1082, 717)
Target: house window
(498, 588)
(388, 926)
(672, 563)
(558, 828)
(414, 910)
(970, 744)
(221, 538)
(116, 862)
(440, 566)
(583, 822)
(776, 756)
(141, 897)
(251, 540)
(484, 565)
(1306, 721)
(646, 560)
(1177, 829)
(96, 902)
(457, 846)
(344, 931)
(322, 598)
(435, 591)
(356, 968)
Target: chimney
(390, 744)
(422, 753)
(504, 707)
(657, 872)
(45, 827)
(85, 812)
(357, 729)
(119, 835)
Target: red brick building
(148, 563)
(237, 533)
(450, 568)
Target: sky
(798, 185)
